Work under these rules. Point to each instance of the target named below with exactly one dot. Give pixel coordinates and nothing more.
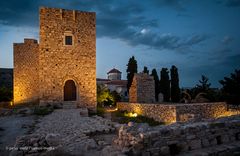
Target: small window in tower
(68, 40)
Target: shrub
(43, 110)
(6, 94)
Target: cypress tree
(145, 70)
(131, 69)
(175, 90)
(165, 84)
(156, 81)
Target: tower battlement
(67, 15)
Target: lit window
(68, 40)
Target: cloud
(227, 39)
(163, 41)
(232, 3)
(174, 4)
(19, 13)
(229, 3)
(233, 60)
(124, 20)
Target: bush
(6, 94)
(231, 88)
(43, 110)
(104, 96)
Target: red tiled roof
(114, 71)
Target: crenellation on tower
(30, 41)
(26, 67)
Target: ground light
(131, 114)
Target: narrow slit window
(68, 40)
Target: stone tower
(67, 57)
(142, 89)
(25, 72)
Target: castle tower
(67, 57)
(25, 72)
(62, 68)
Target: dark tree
(164, 84)
(231, 87)
(145, 70)
(204, 85)
(175, 90)
(6, 94)
(156, 81)
(116, 96)
(131, 69)
(203, 88)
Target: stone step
(69, 105)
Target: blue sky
(199, 37)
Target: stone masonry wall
(176, 112)
(142, 89)
(60, 62)
(196, 111)
(215, 137)
(26, 67)
(161, 113)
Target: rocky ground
(63, 132)
(13, 126)
(70, 132)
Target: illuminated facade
(63, 64)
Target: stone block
(195, 144)
(164, 150)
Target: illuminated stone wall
(142, 89)
(60, 62)
(40, 71)
(161, 113)
(176, 112)
(197, 111)
(26, 63)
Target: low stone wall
(215, 137)
(233, 109)
(161, 113)
(176, 112)
(197, 111)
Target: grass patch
(124, 117)
(43, 110)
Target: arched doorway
(70, 91)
